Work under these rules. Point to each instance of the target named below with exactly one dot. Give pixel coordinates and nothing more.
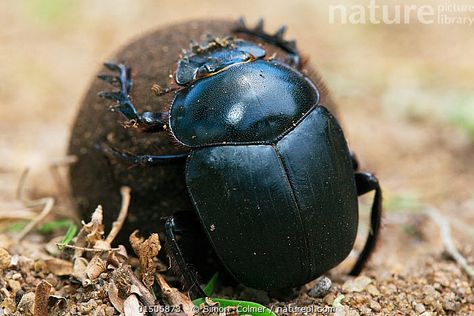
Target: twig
(21, 185)
(87, 249)
(64, 193)
(117, 225)
(126, 279)
(48, 205)
(443, 224)
(175, 297)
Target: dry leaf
(146, 251)
(117, 258)
(80, 268)
(41, 298)
(90, 232)
(131, 306)
(95, 267)
(114, 298)
(59, 267)
(126, 280)
(57, 301)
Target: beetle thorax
(250, 102)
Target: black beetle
(273, 183)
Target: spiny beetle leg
(148, 121)
(365, 183)
(141, 160)
(185, 244)
(274, 39)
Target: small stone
(391, 289)
(109, 311)
(14, 285)
(358, 298)
(39, 265)
(5, 259)
(25, 264)
(429, 290)
(357, 285)
(419, 308)
(345, 311)
(364, 310)
(329, 299)
(467, 289)
(442, 278)
(426, 314)
(18, 295)
(373, 290)
(322, 287)
(449, 305)
(27, 303)
(16, 276)
(375, 306)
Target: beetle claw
(112, 66)
(113, 80)
(117, 96)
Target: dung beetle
(273, 184)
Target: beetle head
(215, 55)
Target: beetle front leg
(147, 121)
(365, 183)
(274, 39)
(141, 160)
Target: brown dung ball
(158, 191)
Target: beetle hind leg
(365, 183)
(147, 121)
(275, 39)
(190, 251)
(179, 264)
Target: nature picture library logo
(374, 12)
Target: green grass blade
(243, 307)
(338, 300)
(211, 285)
(71, 232)
(53, 226)
(15, 227)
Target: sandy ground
(405, 93)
